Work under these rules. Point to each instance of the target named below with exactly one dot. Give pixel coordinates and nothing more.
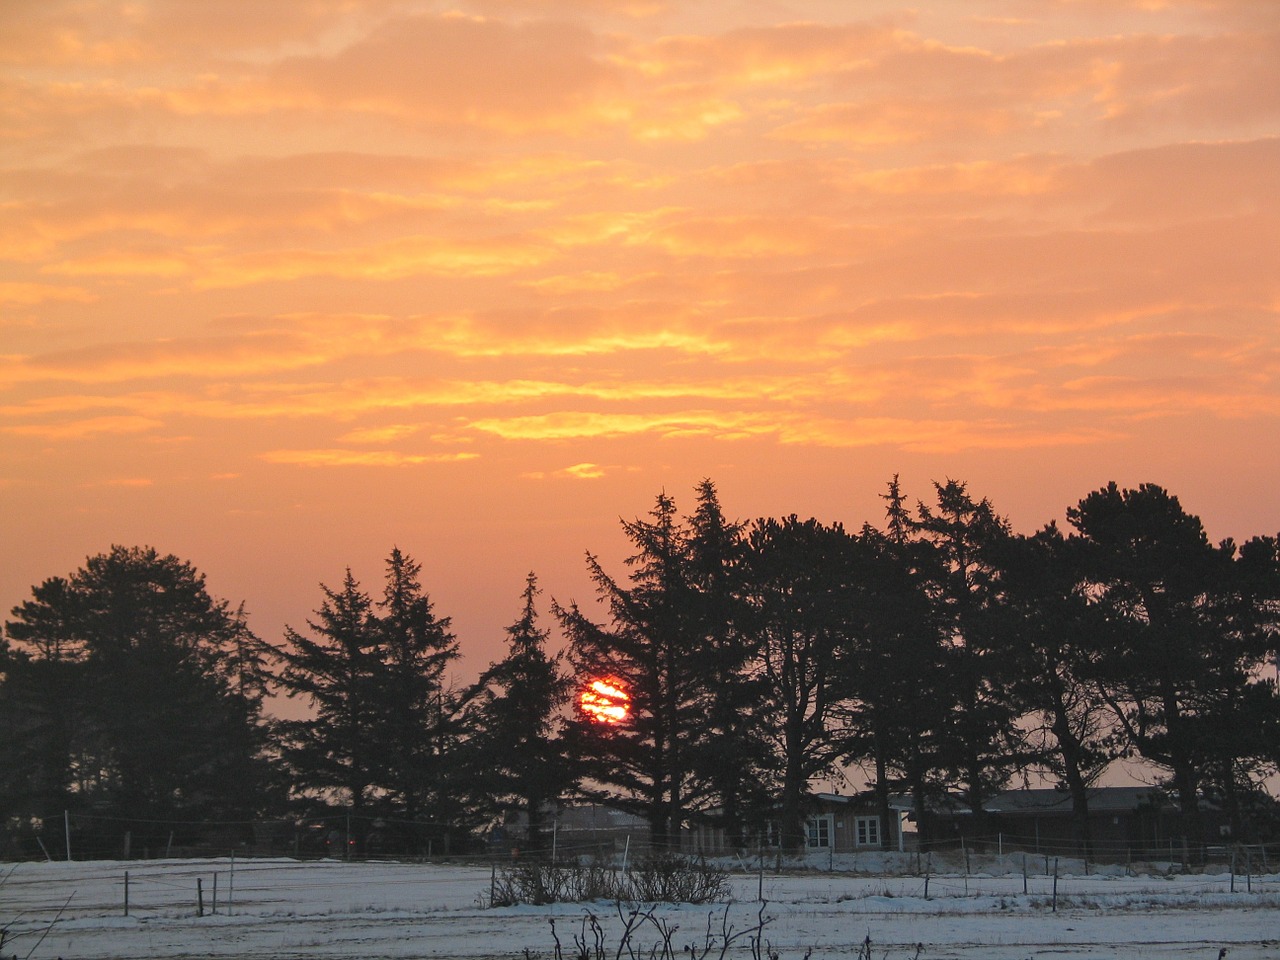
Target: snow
(318, 909)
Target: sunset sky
(284, 285)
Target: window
(771, 835)
(867, 830)
(818, 831)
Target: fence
(86, 837)
(228, 886)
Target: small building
(851, 824)
(834, 822)
(1122, 820)
(575, 830)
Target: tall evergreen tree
(417, 718)
(984, 743)
(893, 657)
(126, 667)
(384, 724)
(1054, 639)
(1196, 622)
(337, 670)
(731, 755)
(654, 645)
(519, 758)
(799, 591)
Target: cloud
(772, 56)
(395, 259)
(579, 471)
(891, 123)
(360, 458)
(198, 357)
(120, 35)
(84, 429)
(453, 69)
(31, 294)
(794, 429)
(1181, 181)
(390, 433)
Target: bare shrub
(665, 878)
(590, 942)
(657, 879)
(539, 882)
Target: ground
(283, 908)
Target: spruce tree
(731, 756)
(518, 757)
(417, 717)
(982, 744)
(800, 609)
(125, 668)
(384, 731)
(337, 669)
(651, 644)
(893, 656)
(1194, 622)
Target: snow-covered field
(291, 909)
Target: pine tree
(518, 756)
(651, 644)
(1053, 638)
(798, 590)
(731, 756)
(895, 656)
(981, 745)
(338, 670)
(417, 716)
(384, 729)
(125, 666)
(1194, 623)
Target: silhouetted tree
(384, 725)
(800, 600)
(982, 743)
(730, 754)
(1195, 626)
(1054, 639)
(337, 670)
(518, 758)
(127, 671)
(893, 679)
(662, 642)
(418, 720)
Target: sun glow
(605, 701)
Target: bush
(539, 882)
(672, 879)
(656, 879)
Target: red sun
(605, 700)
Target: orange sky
(285, 284)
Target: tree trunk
(1069, 750)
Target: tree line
(937, 653)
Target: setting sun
(285, 284)
(605, 701)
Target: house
(1121, 820)
(835, 823)
(576, 830)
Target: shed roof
(1046, 801)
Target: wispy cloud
(601, 244)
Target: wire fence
(346, 837)
(274, 888)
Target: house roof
(1101, 800)
(1049, 801)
